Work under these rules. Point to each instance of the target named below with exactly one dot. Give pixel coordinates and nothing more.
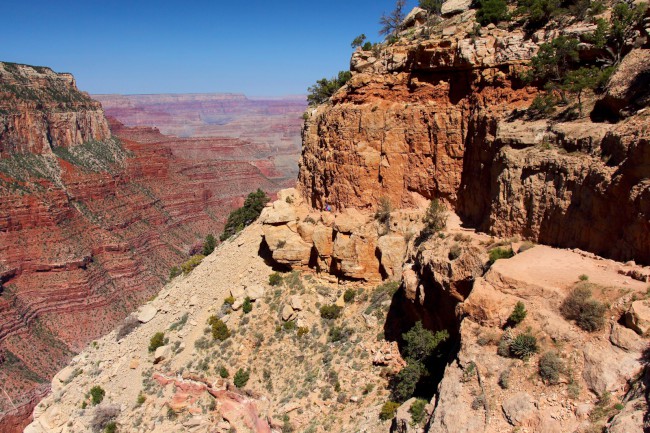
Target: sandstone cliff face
(41, 110)
(439, 118)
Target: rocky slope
(90, 224)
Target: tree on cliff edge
(391, 23)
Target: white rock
(147, 313)
(296, 302)
(287, 313)
(163, 352)
(254, 292)
(453, 7)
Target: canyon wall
(90, 223)
(444, 116)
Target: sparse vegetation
(388, 410)
(517, 316)
(209, 244)
(192, 263)
(550, 367)
(383, 211)
(588, 313)
(156, 341)
(245, 215)
(247, 306)
(241, 378)
(104, 415)
(523, 346)
(349, 295)
(324, 88)
(275, 279)
(330, 312)
(500, 253)
(417, 411)
(435, 220)
(97, 394)
(174, 272)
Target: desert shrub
(419, 343)
(523, 346)
(324, 88)
(303, 330)
(550, 367)
(500, 253)
(289, 325)
(518, 315)
(209, 244)
(141, 399)
(479, 402)
(583, 277)
(97, 394)
(219, 329)
(103, 416)
(174, 272)
(504, 379)
(111, 427)
(503, 348)
(223, 372)
(537, 12)
(339, 333)
(330, 312)
(492, 11)
(383, 211)
(247, 306)
(245, 215)
(588, 313)
(128, 325)
(349, 295)
(275, 279)
(156, 341)
(435, 220)
(454, 252)
(388, 410)
(405, 382)
(230, 300)
(192, 263)
(417, 411)
(241, 378)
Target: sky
(260, 48)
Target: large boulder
(520, 410)
(637, 317)
(453, 7)
(392, 249)
(147, 313)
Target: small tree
(492, 11)
(220, 330)
(419, 343)
(209, 244)
(247, 306)
(431, 6)
(358, 41)
(579, 80)
(245, 215)
(518, 315)
(324, 88)
(391, 24)
(156, 341)
(241, 378)
(388, 410)
(435, 219)
(223, 372)
(97, 394)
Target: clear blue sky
(254, 47)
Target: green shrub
(537, 12)
(388, 410)
(518, 315)
(141, 399)
(543, 105)
(588, 313)
(504, 379)
(454, 252)
(523, 346)
(406, 381)
(111, 427)
(241, 378)
(324, 88)
(192, 263)
(209, 244)
(583, 277)
(156, 341)
(220, 330)
(358, 41)
(289, 325)
(500, 253)
(245, 215)
(97, 394)
(303, 330)
(339, 333)
(230, 300)
(492, 11)
(550, 367)
(330, 312)
(349, 295)
(174, 272)
(420, 343)
(247, 306)
(223, 372)
(435, 220)
(417, 411)
(275, 279)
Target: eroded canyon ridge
(401, 285)
(93, 214)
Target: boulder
(238, 291)
(454, 7)
(607, 370)
(402, 421)
(520, 410)
(287, 313)
(392, 249)
(147, 313)
(349, 220)
(254, 292)
(281, 213)
(416, 17)
(322, 237)
(630, 419)
(637, 317)
(162, 353)
(626, 338)
(296, 302)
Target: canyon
(94, 214)
(448, 261)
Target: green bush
(303, 330)
(245, 215)
(247, 306)
(192, 263)
(97, 394)
(241, 378)
(492, 11)
(339, 333)
(358, 41)
(367, 46)
(220, 330)
(583, 277)
(518, 315)
(537, 12)
(417, 411)
(431, 6)
(209, 244)
(324, 88)
(550, 367)
(141, 399)
(111, 427)
(156, 341)
(275, 279)
(330, 312)
(230, 300)
(420, 343)
(435, 218)
(349, 295)
(588, 313)
(388, 410)
(174, 272)
(500, 253)
(406, 381)
(223, 372)
(523, 346)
